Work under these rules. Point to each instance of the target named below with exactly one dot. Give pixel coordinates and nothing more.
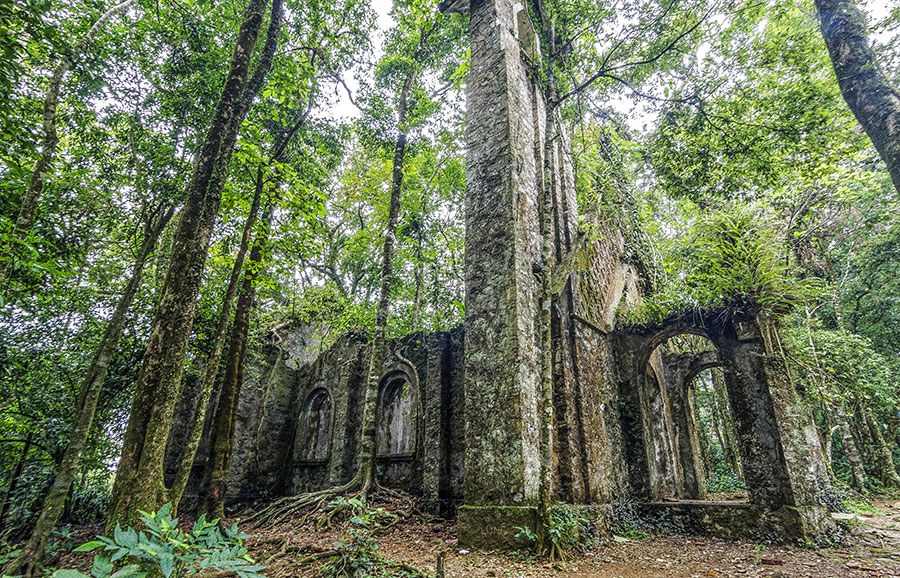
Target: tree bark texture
(883, 454)
(29, 559)
(545, 328)
(185, 465)
(25, 216)
(222, 437)
(139, 475)
(857, 473)
(864, 85)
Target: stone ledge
(742, 520)
(493, 526)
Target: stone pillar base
(806, 523)
(740, 520)
(496, 526)
(493, 526)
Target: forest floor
(871, 548)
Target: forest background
(706, 117)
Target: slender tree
(28, 561)
(195, 432)
(25, 216)
(221, 441)
(138, 476)
(884, 460)
(858, 473)
(15, 477)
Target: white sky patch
(344, 109)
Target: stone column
(783, 464)
(666, 477)
(502, 249)
(435, 476)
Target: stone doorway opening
(685, 410)
(721, 461)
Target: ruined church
(458, 420)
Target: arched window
(315, 427)
(395, 416)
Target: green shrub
(162, 549)
(569, 530)
(724, 479)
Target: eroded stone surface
(458, 412)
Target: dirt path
(873, 549)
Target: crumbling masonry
(458, 410)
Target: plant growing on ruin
(569, 530)
(728, 261)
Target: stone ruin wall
(300, 411)
(499, 371)
(472, 429)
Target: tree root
(323, 507)
(282, 509)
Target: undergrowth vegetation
(571, 529)
(161, 548)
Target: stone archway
(395, 434)
(314, 441)
(782, 460)
(398, 423)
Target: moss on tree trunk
(139, 475)
(865, 87)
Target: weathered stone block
(493, 526)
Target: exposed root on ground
(361, 522)
(325, 505)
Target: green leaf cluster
(163, 549)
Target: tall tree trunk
(545, 329)
(857, 473)
(883, 454)
(866, 88)
(717, 429)
(139, 474)
(185, 465)
(29, 559)
(705, 439)
(14, 482)
(863, 436)
(365, 476)
(25, 216)
(545, 298)
(215, 483)
(163, 252)
(829, 430)
(894, 430)
(417, 271)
